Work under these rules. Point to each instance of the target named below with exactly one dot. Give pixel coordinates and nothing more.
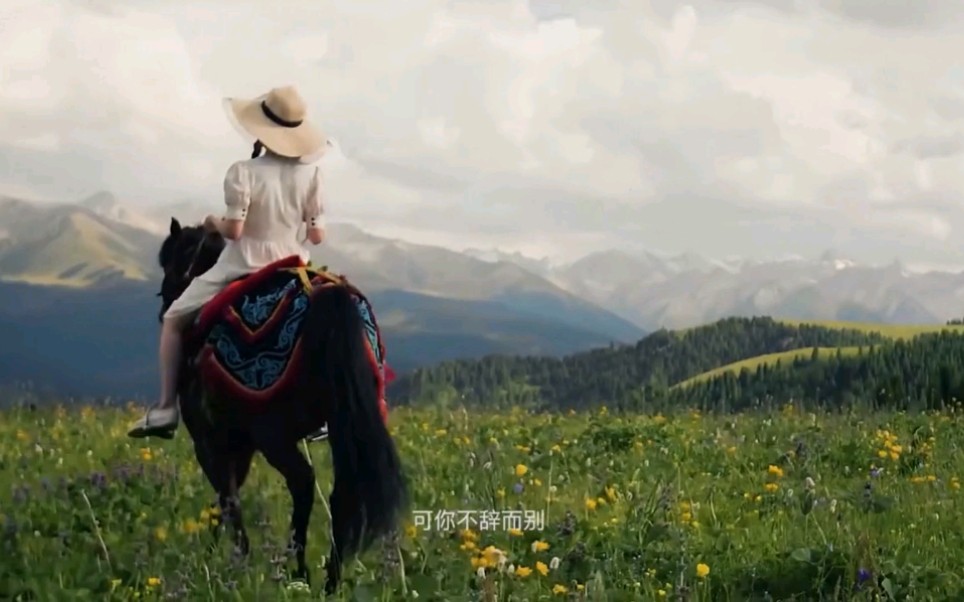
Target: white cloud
(516, 121)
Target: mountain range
(81, 276)
(662, 291)
(78, 312)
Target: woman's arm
(314, 209)
(237, 198)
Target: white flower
(481, 572)
(809, 484)
(554, 563)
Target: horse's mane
(187, 237)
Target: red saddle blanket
(249, 335)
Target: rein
(194, 258)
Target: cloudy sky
(724, 127)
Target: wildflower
(518, 488)
(661, 593)
(523, 571)
(539, 546)
(702, 570)
(809, 485)
(775, 471)
(153, 581)
(521, 470)
(590, 504)
(190, 526)
(515, 532)
(411, 531)
(481, 572)
(160, 534)
(542, 568)
(554, 563)
(559, 589)
(771, 487)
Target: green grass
(894, 331)
(637, 508)
(770, 359)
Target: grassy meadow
(683, 507)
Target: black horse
(335, 385)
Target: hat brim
(304, 140)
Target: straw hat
(278, 120)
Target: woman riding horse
(268, 197)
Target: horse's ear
(175, 226)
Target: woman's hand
(211, 224)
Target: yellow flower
(611, 493)
(153, 582)
(515, 532)
(523, 571)
(146, 454)
(521, 469)
(775, 471)
(411, 531)
(160, 533)
(539, 546)
(542, 568)
(492, 554)
(702, 570)
(190, 526)
(661, 593)
(469, 535)
(559, 589)
(771, 487)
(590, 504)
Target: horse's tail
(370, 491)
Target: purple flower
(863, 575)
(518, 487)
(875, 472)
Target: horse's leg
(285, 457)
(342, 507)
(238, 465)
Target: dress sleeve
(237, 194)
(314, 209)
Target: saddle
(246, 341)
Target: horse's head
(186, 253)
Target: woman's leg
(162, 419)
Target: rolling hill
(620, 374)
(894, 332)
(732, 364)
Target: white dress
(274, 196)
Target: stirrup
(319, 435)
